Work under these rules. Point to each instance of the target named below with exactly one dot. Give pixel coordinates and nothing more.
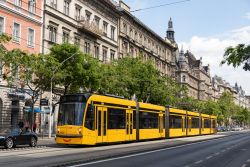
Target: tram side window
(90, 118)
(195, 122)
(207, 123)
(175, 121)
(214, 123)
(148, 120)
(116, 118)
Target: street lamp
(51, 87)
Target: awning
(29, 109)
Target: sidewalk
(45, 141)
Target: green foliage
(4, 38)
(237, 56)
(80, 70)
(131, 77)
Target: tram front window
(71, 114)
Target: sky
(204, 27)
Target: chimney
(124, 6)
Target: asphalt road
(230, 151)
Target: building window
(66, 7)
(135, 36)
(88, 16)
(112, 55)
(52, 34)
(1, 69)
(145, 41)
(1, 25)
(77, 41)
(140, 39)
(97, 52)
(31, 37)
(32, 6)
(131, 50)
(3, 1)
(131, 33)
(105, 28)
(53, 3)
(16, 32)
(104, 55)
(183, 78)
(78, 13)
(18, 4)
(65, 37)
(112, 33)
(125, 29)
(87, 47)
(125, 47)
(97, 21)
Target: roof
(147, 28)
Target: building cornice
(21, 14)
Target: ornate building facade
(90, 24)
(22, 20)
(136, 39)
(196, 77)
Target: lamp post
(51, 89)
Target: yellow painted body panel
(177, 133)
(61, 140)
(205, 131)
(193, 113)
(213, 131)
(149, 134)
(177, 111)
(193, 132)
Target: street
(228, 150)
(231, 152)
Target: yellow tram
(89, 119)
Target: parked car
(237, 128)
(18, 137)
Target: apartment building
(91, 24)
(136, 39)
(22, 20)
(196, 77)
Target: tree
(236, 56)
(28, 70)
(79, 71)
(227, 106)
(133, 76)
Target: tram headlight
(80, 130)
(58, 130)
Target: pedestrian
(21, 124)
(26, 126)
(34, 127)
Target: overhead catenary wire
(158, 6)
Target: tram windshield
(71, 110)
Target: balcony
(90, 28)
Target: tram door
(161, 125)
(101, 124)
(129, 125)
(184, 124)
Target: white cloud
(247, 16)
(211, 49)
